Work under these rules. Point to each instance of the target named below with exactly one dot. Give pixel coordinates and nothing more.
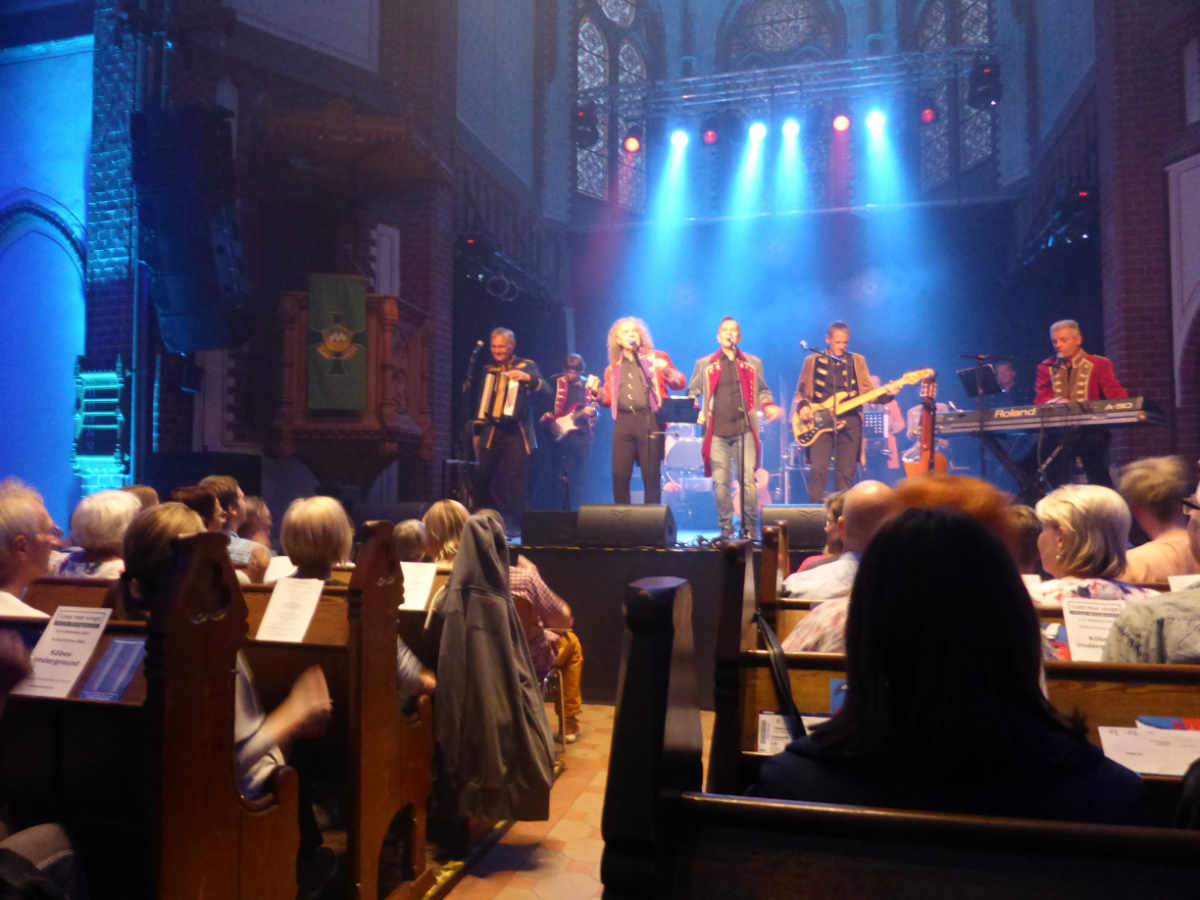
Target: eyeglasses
(1190, 506)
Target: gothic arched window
(604, 170)
(962, 137)
(766, 33)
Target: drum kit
(684, 483)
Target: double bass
(930, 459)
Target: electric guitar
(573, 419)
(812, 420)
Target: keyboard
(1093, 413)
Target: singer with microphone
(732, 389)
(822, 376)
(635, 382)
(1075, 376)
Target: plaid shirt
(549, 607)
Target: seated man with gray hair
(27, 537)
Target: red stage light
(632, 144)
(929, 115)
(1083, 193)
(841, 123)
(710, 136)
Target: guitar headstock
(929, 387)
(912, 377)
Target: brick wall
(1140, 118)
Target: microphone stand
(980, 362)
(746, 484)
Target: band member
(570, 425)
(1072, 375)
(635, 383)
(822, 376)
(733, 391)
(504, 428)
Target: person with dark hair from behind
(253, 556)
(1026, 529)
(146, 495)
(945, 711)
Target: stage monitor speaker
(550, 528)
(620, 525)
(805, 524)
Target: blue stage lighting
(758, 131)
(791, 128)
(876, 120)
(679, 138)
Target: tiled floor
(560, 857)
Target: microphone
(1058, 363)
(804, 345)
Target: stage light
(841, 122)
(710, 131)
(633, 139)
(758, 131)
(584, 126)
(679, 138)
(876, 120)
(983, 85)
(928, 115)
(791, 128)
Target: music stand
(976, 385)
(978, 380)
(678, 409)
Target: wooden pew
(145, 785)
(49, 593)
(383, 754)
(663, 838)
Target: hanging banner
(337, 337)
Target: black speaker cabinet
(805, 524)
(549, 528)
(619, 525)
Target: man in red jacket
(635, 382)
(1074, 376)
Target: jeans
(722, 454)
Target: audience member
(97, 530)
(257, 524)
(495, 751)
(243, 552)
(409, 540)
(316, 535)
(1166, 628)
(945, 711)
(1082, 545)
(203, 502)
(979, 499)
(1155, 489)
(444, 523)
(1027, 529)
(27, 537)
(146, 550)
(834, 504)
(868, 505)
(146, 495)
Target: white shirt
(11, 605)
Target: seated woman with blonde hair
(316, 535)
(444, 523)
(1082, 545)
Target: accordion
(500, 401)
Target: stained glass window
(620, 11)
(977, 127)
(932, 34)
(591, 63)
(631, 167)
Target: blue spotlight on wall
(679, 138)
(876, 120)
(758, 131)
(791, 128)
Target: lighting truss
(815, 80)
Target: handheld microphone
(1058, 363)
(804, 345)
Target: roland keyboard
(1097, 413)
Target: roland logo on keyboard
(1018, 412)
(1120, 404)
